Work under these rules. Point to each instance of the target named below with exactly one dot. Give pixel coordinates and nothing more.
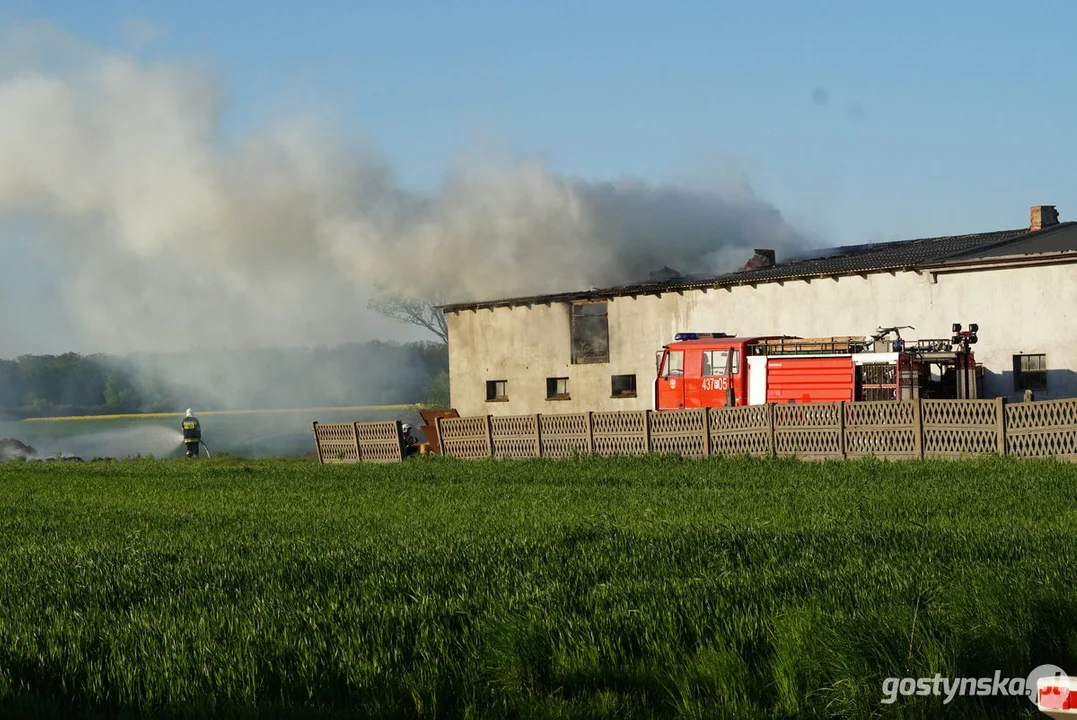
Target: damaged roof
(901, 255)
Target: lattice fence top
(745, 417)
(1041, 415)
(513, 425)
(610, 423)
(385, 430)
(959, 412)
(463, 427)
(678, 422)
(335, 432)
(807, 415)
(882, 412)
(574, 424)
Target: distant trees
(437, 392)
(372, 373)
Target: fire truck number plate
(716, 383)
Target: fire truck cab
(716, 369)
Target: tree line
(371, 373)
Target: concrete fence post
(590, 433)
(841, 429)
(317, 442)
(918, 427)
(355, 434)
(1000, 424)
(538, 435)
(772, 446)
(706, 432)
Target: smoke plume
(130, 224)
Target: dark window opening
(624, 386)
(1029, 372)
(590, 333)
(497, 390)
(557, 388)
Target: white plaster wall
(1019, 310)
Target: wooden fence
(909, 429)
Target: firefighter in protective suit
(192, 434)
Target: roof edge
(741, 278)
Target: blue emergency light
(697, 336)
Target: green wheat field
(617, 587)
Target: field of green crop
(652, 587)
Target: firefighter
(192, 434)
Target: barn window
(497, 390)
(624, 386)
(1029, 372)
(590, 333)
(557, 388)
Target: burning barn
(604, 349)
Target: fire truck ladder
(810, 346)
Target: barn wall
(1019, 310)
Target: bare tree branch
(412, 312)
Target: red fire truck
(716, 369)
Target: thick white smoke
(158, 236)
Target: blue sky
(860, 121)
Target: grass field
(652, 587)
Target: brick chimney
(761, 259)
(1041, 216)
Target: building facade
(597, 350)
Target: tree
(409, 311)
(437, 392)
(117, 393)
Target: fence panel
(620, 433)
(379, 441)
(1047, 428)
(336, 442)
(515, 436)
(680, 432)
(962, 428)
(883, 429)
(906, 429)
(812, 431)
(467, 438)
(563, 436)
(742, 430)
